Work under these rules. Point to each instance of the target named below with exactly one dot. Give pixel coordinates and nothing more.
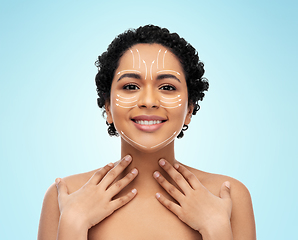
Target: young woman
(149, 83)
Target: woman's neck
(146, 164)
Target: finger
(119, 185)
(173, 207)
(119, 202)
(172, 190)
(114, 173)
(175, 175)
(100, 173)
(189, 176)
(225, 190)
(61, 187)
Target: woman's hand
(197, 207)
(93, 202)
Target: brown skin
(158, 223)
(190, 204)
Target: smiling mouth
(148, 122)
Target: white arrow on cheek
(118, 105)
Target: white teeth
(151, 122)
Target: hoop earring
(185, 127)
(181, 134)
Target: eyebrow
(129, 75)
(162, 76)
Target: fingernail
(156, 174)
(157, 195)
(134, 171)
(134, 191)
(162, 162)
(57, 181)
(228, 185)
(127, 158)
(111, 164)
(176, 165)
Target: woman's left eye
(167, 88)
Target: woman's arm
(70, 216)
(242, 218)
(49, 218)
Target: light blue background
(50, 125)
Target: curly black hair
(193, 68)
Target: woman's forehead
(142, 55)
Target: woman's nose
(148, 99)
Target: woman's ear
(189, 114)
(108, 112)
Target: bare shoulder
(213, 183)
(75, 182)
(49, 217)
(242, 218)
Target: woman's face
(149, 100)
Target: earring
(185, 127)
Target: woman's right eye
(130, 87)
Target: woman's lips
(148, 123)
(149, 127)
(148, 118)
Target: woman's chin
(148, 145)
(146, 149)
